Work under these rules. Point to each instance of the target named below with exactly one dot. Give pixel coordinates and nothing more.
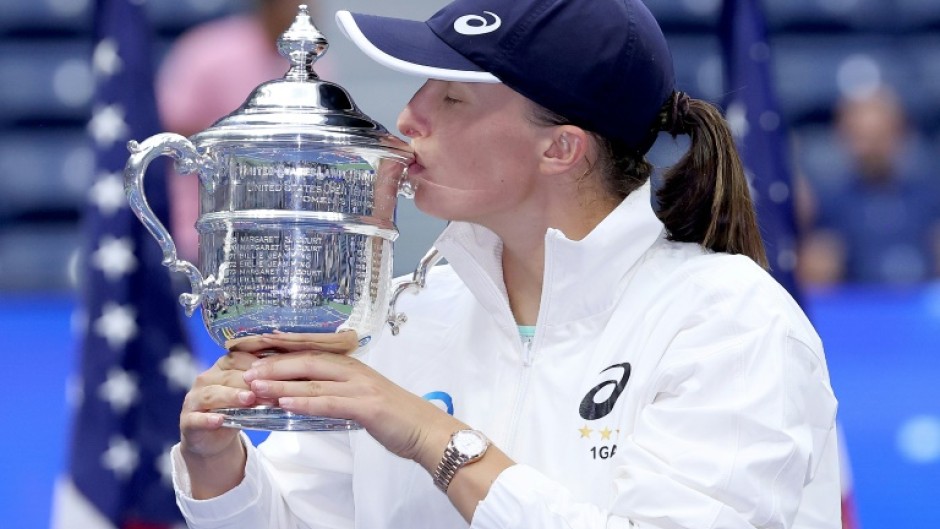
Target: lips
(415, 168)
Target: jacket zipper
(528, 354)
(521, 391)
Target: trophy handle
(188, 160)
(418, 281)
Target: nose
(408, 122)
(412, 121)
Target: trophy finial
(302, 44)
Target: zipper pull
(527, 351)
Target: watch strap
(447, 468)
(454, 459)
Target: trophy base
(280, 420)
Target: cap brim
(410, 47)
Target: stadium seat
(45, 80)
(685, 15)
(918, 14)
(75, 16)
(38, 17)
(37, 256)
(698, 66)
(176, 16)
(813, 71)
(922, 92)
(829, 15)
(44, 173)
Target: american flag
(135, 363)
(760, 130)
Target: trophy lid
(299, 108)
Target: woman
(579, 363)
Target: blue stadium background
(882, 343)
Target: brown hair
(704, 197)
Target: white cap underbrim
(353, 32)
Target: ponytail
(705, 197)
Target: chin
(438, 205)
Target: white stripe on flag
(71, 510)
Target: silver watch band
(447, 468)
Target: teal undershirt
(527, 332)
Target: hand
(309, 381)
(221, 386)
(214, 455)
(343, 342)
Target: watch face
(469, 443)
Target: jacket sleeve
(292, 480)
(735, 420)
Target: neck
(523, 256)
(523, 270)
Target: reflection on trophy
(296, 218)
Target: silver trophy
(298, 190)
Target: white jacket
(666, 387)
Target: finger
(214, 397)
(303, 366)
(236, 360)
(234, 378)
(201, 421)
(274, 389)
(340, 342)
(326, 406)
(245, 343)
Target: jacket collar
(582, 278)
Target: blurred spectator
(208, 73)
(881, 224)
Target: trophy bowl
(297, 198)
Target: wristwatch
(465, 447)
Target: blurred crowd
(875, 220)
(878, 221)
(871, 216)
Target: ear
(566, 147)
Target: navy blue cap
(603, 64)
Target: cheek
(499, 161)
(489, 174)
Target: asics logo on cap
(479, 26)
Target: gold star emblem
(585, 432)
(605, 433)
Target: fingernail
(260, 386)
(250, 375)
(244, 397)
(285, 402)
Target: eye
(450, 100)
